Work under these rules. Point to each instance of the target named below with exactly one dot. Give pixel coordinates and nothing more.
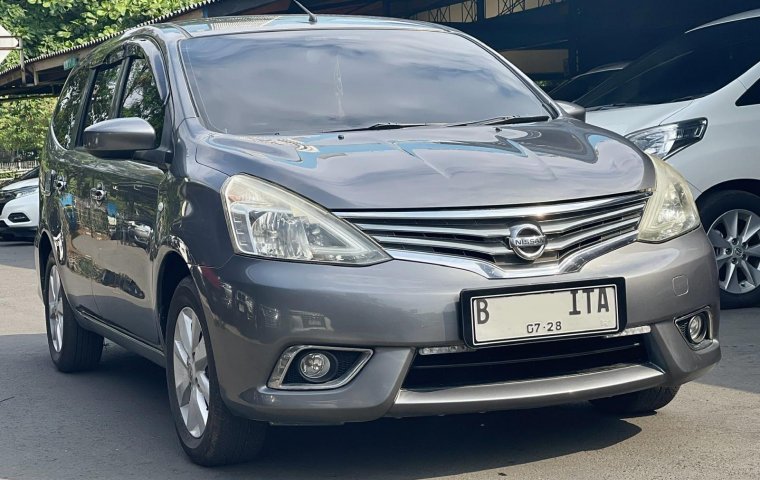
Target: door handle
(98, 194)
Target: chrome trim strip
(501, 233)
(426, 242)
(571, 263)
(462, 348)
(487, 213)
(290, 354)
(640, 330)
(551, 227)
(529, 393)
(565, 242)
(553, 245)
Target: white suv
(695, 101)
(19, 209)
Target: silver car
(319, 221)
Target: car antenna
(312, 17)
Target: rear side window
(65, 117)
(101, 99)
(141, 97)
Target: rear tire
(220, 438)
(715, 211)
(644, 401)
(72, 348)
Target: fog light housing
(315, 366)
(695, 328)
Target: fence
(12, 169)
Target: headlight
(670, 210)
(666, 140)
(23, 192)
(268, 221)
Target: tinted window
(141, 97)
(101, 100)
(696, 64)
(305, 82)
(751, 96)
(580, 85)
(64, 119)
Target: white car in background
(695, 102)
(20, 209)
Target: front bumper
(257, 308)
(28, 207)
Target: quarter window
(65, 117)
(101, 100)
(141, 97)
(751, 96)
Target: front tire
(644, 401)
(72, 348)
(732, 221)
(209, 433)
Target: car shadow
(739, 344)
(116, 418)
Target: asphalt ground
(115, 422)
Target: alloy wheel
(191, 380)
(735, 237)
(55, 308)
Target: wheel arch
(44, 248)
(745, 184)
(174, 267)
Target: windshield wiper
(380, 126)
(614, 105)
(515, 119)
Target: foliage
(50, 25)
(23, 125)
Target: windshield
(576, 87)
(330, 80)
(695, 64)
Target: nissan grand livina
(319, 222)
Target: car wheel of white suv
(732, 221)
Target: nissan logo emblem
(527, 241)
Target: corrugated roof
(162, 18)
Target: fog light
(314, 366)
(696, 330)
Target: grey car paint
(393, 307)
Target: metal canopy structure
(546, 38)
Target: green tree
(50, 25)
(23, 126)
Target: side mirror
(119, 137)
(573, 110)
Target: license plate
(538, 312)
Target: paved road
(115, 423)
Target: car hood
(441, 167)
(31, 182)
(630, 119)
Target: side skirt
(91, 322)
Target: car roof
(748, 15)
(258, 23)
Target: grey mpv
(336, 221)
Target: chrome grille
(483, 234)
